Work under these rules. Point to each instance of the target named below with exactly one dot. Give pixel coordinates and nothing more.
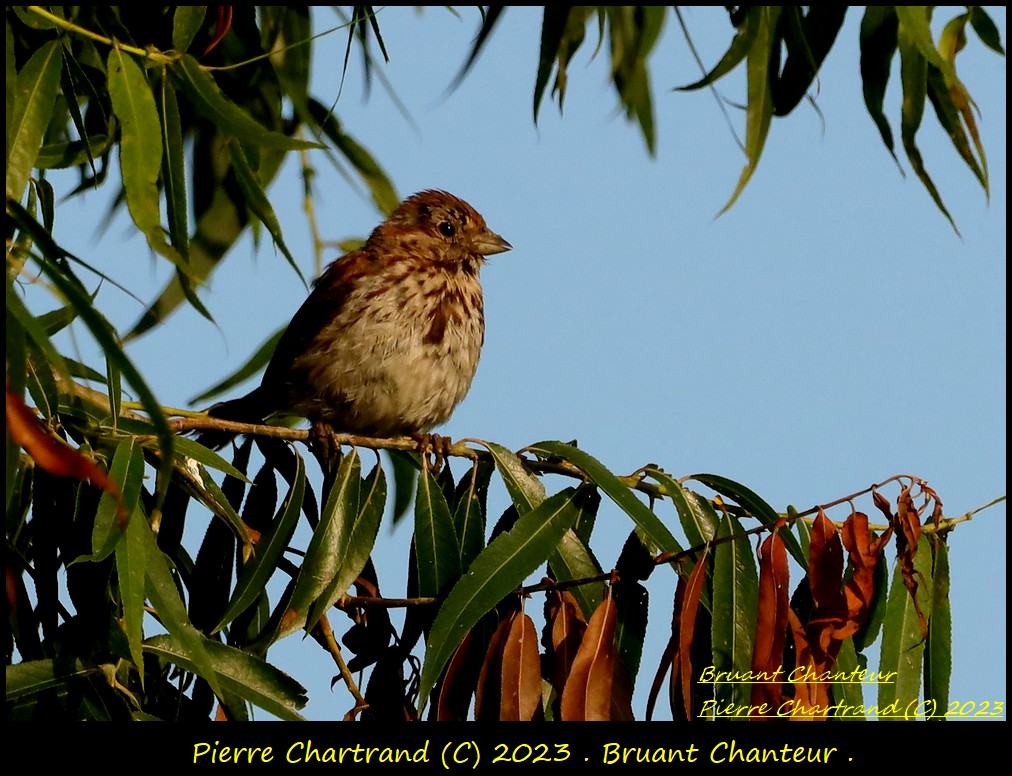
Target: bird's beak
(489, 243)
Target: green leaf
(526, 490)
(469, 515)
(938, 657)
(36, 332)
(902, 639)
(741, 45)
(174, 167)
(698, 517)
(849, 693)
(653, 528)
(245, 675)
(164, 595)
(437, 548)
(35, 676)
(268, 551)
(130, 572)
(735, 600)
(186, 23)
(986, 29)
(255, 364)
(573, 559)
(257, 201)
(865, 637)
(759, 112)
(140, 148)
(373, 175)
(325, 551)
(127, 471)
(356, 542)
(755, 506)
(37, 87)
(914, 76)
(188, 448)
(500, 569)
(218, 502)
(230, 119)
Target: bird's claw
(323, 438)
(437, 446)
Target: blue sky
(827, 332)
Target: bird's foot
(323, 440)
(437, 446)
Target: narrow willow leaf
(759, 112)
(255, 364)
(245, 675)
(756, 507)
(501, 568)
(186, 23)
(357, 543)
(653, 528)
(914, 76)
(37, 87)
(323, 556)
(902, 640)
(230, 119)
(938, 658)
(162, 591)
(915, 26)
(127, 471)
(868, 634)
(698, 517)
(257, 201)
(219, 503)
(268, 551)
(140, 148)
(188, 448)
(554, 25)
(469, 516)
(986, 29)
(849, 693)
(526, 490)
(437, 548)
(35, 330)
(35, 676)
(174, 167)
(735, 600)
(741, 44)
(384, 195)
(572, 559)
(131, 560)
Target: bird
(387, 342)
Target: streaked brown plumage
(388, 341)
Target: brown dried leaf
(489, 688)
(687, 626)
(807, 695)
(54, 455)
(568, 626)
(521, 671)
(587, 695)
(825, 566)
(771, 622)
(864, 552)
(908, 534)
(454, 692)
(669, 658)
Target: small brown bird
(388, 341)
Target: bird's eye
(447, 229)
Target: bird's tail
(251, 408)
